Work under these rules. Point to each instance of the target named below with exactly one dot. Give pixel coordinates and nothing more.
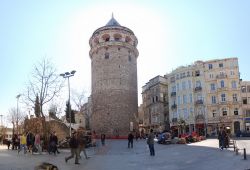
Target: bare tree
(44, 83)
(78, 99)
(16, 118)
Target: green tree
(68, 106)
(37, 107)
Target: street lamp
(68, 75)
(17, 97)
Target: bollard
(245, 154)
(237, 151)
(234, 146)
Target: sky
(170, 34)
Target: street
(115, 155)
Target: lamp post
(68, 75)
(17, 97)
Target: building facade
(245, 95)
(205, 96)
(155, 104)
(114, 90)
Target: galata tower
(114, 94)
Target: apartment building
(245, 94)
(205, 96)
(155, 104)
(223, 95)
(186, 108)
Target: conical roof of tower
(112, 22)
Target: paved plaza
(115, 155)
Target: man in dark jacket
(73, 143)
(150, 142)
(130, 140)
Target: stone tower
(114, 96)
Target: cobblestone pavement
(115, 155)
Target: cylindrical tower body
(114, 95)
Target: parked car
(164, 138)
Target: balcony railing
(221, 76)
(173, 94)
(174, 120)
(199, 102)
(174, 106)
(199, 88)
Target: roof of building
(112, 22)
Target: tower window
(117, 37)
(119, 49)
(106, 55)
(129, 58)
(127, 39)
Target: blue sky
(170, 34)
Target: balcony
(221, 76)
(199, 88)
(174, 120)
(173, 94)
(198, 102)
(174, 106)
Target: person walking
(150, 142)
(130, 140)
(38, 143)
(82, 143)
(73, 143)
(103, 139)
(23, 143)
(93, 138)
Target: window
(213, 99)
(247, 113)
(189, 84)
(211, 76)
(210, 66)
(220, 65)
(236, 111)
(212, 86)
(231, 72)
(222, 84)
(244, 100)
(179, 100)
(173, 89)
(184, 99)
(177, 87)
(224, 112)
(184, 85)
(191, 98)
(129, 58)
(177, 76)
(214, 113)
(153, 100)
(106, 55)
(234, 84)
(248, 89)
(197, 73)
(234, 97)
(156, 98)
(198, 84)
(188, 74)
(243, 89)
(223, 97)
